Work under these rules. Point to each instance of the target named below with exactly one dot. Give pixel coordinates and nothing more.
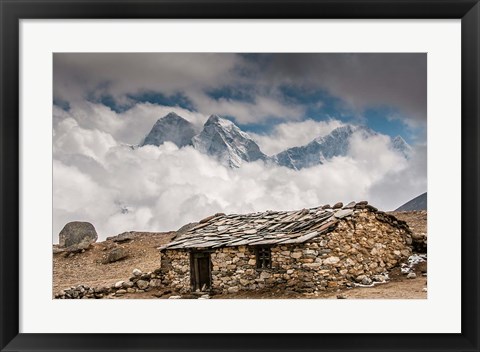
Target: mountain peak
(170, 128)
(171, 116)
(336, 143)
(417, 203)
(225, 141)
(399, 144)
(213, 119)
(222, 122)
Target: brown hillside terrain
(87, 268)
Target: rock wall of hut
(361, 248)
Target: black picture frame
(12, 11)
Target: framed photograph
(235, 176)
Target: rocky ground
(89, 268)
(93, 269)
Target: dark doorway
(200, 271)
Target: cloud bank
(97, 178)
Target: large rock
(115, 255)
(123, 237)
(77, 234)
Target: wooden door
(201, 271)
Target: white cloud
(165, 187)
(293, 134)
(129, 127)
(71, 139)
(245, 112)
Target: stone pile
(138, 282)
(415, 261)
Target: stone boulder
(78, 235)
(123, 237)
(115, 254)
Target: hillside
(417, 203)
(87, 267)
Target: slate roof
(264, 228)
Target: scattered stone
(331, 260)
(174, 297)
(116, 254)
(343, 213)
(142, 284)
(350, 205)
(360, 278)
(422, 267)
(155, 283)
(341, 297)
(127, 284)
(145, 276)
(57, 250)
(123, 237)
(136, 272)
(379, 278)
(366, 281)
(411, 275)
(338, 205)
(121, 292)
(118, 284)
(233, 289)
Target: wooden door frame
(194, 271)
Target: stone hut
(303, 251)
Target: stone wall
(138, 282)
(361, 248)
(175, 266)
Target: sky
(103, 102)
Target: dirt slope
(87, 267)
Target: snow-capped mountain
(223, 140)
(399, 144)
(227, 143)
(171, 128)
(336, 143)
